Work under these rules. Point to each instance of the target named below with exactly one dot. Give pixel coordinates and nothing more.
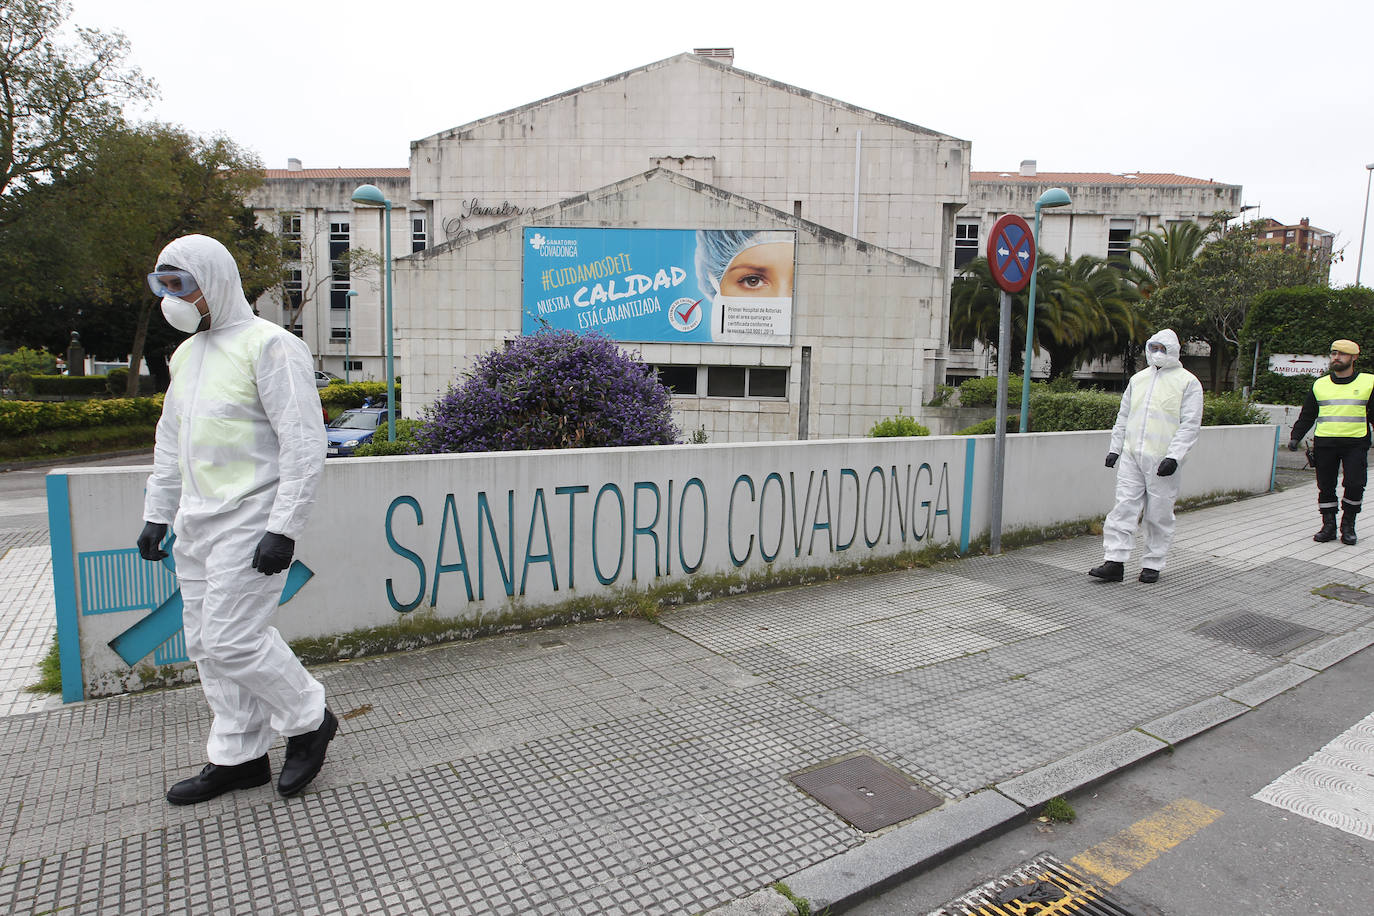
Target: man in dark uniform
(1341, 405)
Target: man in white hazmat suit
(240, 448)
(1159, 419)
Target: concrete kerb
(842, 882)
(29, 463)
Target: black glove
(1111, 459)
(273, 553)
(1294, 445)
(1167, 467)
(148, 540)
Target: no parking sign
(1011, 253)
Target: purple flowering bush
(553, 389)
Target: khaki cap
(1346, 346)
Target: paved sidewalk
(630, 767)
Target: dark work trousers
(1353, 461)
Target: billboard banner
(725, 286)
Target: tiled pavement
(632, 767)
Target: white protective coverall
(1160, 415)
(240, 449)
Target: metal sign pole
(999, 449)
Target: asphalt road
(1184, 832)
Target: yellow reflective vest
(1341, 409)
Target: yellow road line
(1114, 860)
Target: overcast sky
(1275, 96)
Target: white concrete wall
(759, 138)
(463, 540)
(320, 201)
(871, 318)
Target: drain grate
(1265, 635)
(866, 792)
(1043, 885)
(1346, 593)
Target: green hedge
(1058, 411)
(380, 445)
(900, 425)
(1302, 320)
(339, 396)
(65, 384)
(19, 418)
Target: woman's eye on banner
(760, 270)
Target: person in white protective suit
(240, 449)
(1159, 419)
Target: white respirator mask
(1158, 358)
(180, 314)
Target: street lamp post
(1054, 197)
(369, 195)
(1359, 262)
(348, 329)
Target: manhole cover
(1265, 635)
(866, 792)
(1346, 593)
(1042, 886)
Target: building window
(767, 383)
(1119, 241)
(338, 265)
(419, 238)
(340, 333)
(353, 365)
(725, 381)
(294, 328)
(291, 236)
(965, 243)
(294, 287)
(678, 379)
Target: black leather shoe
(1149, 575)
(1109, 571)
(1328, 529)
(1348, 530)
(214, 780)
(305, 756)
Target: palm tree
(1083, 309)
(1163, 252)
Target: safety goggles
(1156, 348)
(178, 283)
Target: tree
(553, 389)
(307, 272)
(55, 100)
(1163, 253)
(1208, 298)
(76, 250)
(1083, 309)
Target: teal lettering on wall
(882, 505)
(645, 530)
(545, 557)
(885, 505)
(822, 499)
(440, 567)
(507, 578)
(410, 555)
(571, 493)
(620, 549)
(851, 474)
(730, 522)
(705, 526)
(782, 516)
(799, 518)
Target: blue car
(353, 428)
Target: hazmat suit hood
(217, 275)
(1171, 350)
